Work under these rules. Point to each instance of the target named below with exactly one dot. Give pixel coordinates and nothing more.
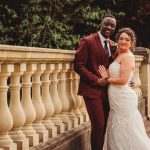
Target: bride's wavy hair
(132, 35)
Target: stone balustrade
(38, 95)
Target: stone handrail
(38, 95)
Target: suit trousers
(98, 109)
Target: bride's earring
(130, 47)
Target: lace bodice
(114, 71)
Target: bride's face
(124, 42)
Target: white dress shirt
(102, 39)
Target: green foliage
(61, 23)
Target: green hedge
(61, 23)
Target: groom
(95, 50)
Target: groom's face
(108, 26)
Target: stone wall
(76, 139)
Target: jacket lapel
(98, 41)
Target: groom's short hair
(111, 16)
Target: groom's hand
(132, 84)
(102, 82)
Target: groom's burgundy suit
(90, 54)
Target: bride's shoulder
(128, 60)
(128, 56)
(125, 57)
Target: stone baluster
(136, 77)
(6, 120)
(137, 88)
(70, 96)
(55, 98)
(82, 107)
(63, 97)
(16, 108)
(38, 104)
(28, 107)
(84, 111)
(48, 102)
(77, 98)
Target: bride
(125, 127)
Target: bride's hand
(103, 71)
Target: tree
(135, 14)
(44, 23)
(61, 23)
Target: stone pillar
(72, 103)
(55, 98)
(6, 120)
(48, 102)
(63, 97)
(16, 109)
(28, 107)
(38, 104)
(145, 77)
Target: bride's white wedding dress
(125, 128)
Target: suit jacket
(90, 54)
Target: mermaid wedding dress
(125, 128)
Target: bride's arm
(126, 67)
